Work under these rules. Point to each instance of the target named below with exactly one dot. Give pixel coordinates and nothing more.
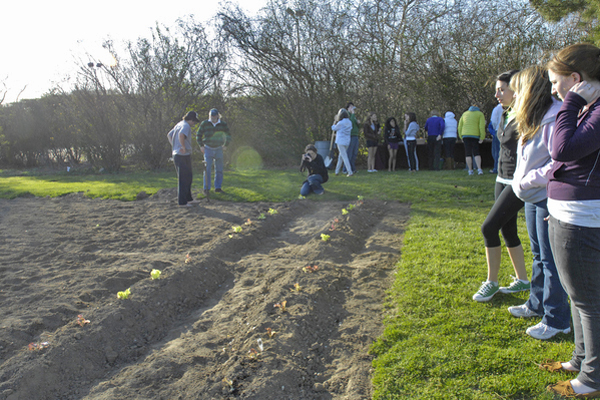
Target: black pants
(183, 165)
(502, 218)
(411, 147)
(434, 147)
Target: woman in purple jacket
(573, 203)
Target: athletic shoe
(487, 290)
(479, 171)
(471, 172)
(565, 389)
(522, 311)
(517, 285)
(542, 331)
(219, 190)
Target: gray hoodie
(534, 162)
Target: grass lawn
(438, 343)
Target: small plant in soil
(297, 288)
(262, 216)
(270, 333)
(237, 229)
(325, 237)
(344, 211)
(81, 321)
(188, 258)
(310, 268)
(272, 211)
(124, 295)
(281, 305)
(38, 346)
(229, 383)
(248, 222)
(155, 274)
(253, 354)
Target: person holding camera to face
(317, 173)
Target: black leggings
(502, 218)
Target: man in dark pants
(434, 126)
(180, 138)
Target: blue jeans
(213, 155)
(352, 153)
(495, 152)
(577, 254)
(183, 165)
(547, 297)
(312, 184)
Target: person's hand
(439, 137)
(202, 149)
(588, 90)
(481, 141)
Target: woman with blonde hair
(573, 203)
(342, 126)
(535, 113)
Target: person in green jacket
(471, 129)
(212, 137)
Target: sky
(43, 42)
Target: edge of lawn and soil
(438, 343)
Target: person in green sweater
(471, 129)
(212, 137)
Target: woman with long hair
(411, 129)
(342, 126)
(371, 131)
(535, 113)
(573, 203)
(503, 215)
(392, 138)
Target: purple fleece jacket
(575, 148)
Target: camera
(306, 157)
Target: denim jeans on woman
(312, 184)
(547, 297)
(213, 155)
(576, 252)
(343, 156)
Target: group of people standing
(212, 136)
(548, 163)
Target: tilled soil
(271, 312)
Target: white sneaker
(521, 311)
(470, 172)
(479, 171)
(542, 331)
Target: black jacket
(315, 167)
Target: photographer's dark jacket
(315, 167)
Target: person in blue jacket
(434, 126)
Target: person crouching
(317, 173)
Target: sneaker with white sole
(542, 331)
(522, 311)
(471, 172)
(517, 285)
(479, 171)
(487, 290)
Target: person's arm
(572, 142)
(225, 129)
(539, 177)
(442, 127)
(481, 128)
(460, 126)
(200, 137)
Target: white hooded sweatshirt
(451, 126)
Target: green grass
(437, 343)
